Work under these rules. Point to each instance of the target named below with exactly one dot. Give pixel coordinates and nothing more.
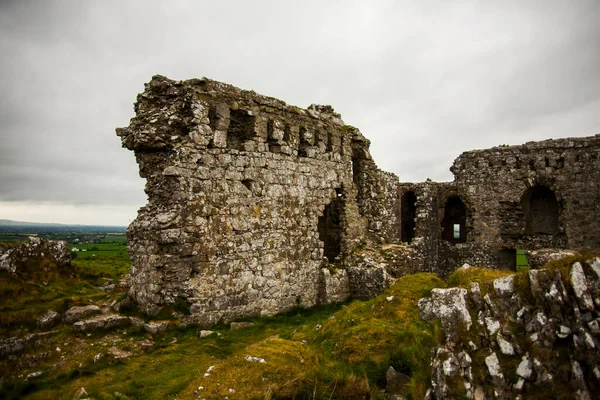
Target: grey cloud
(424, 81)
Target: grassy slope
(343, 356)
(348, 354)
(327, 352)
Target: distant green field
(115, 239)
(110, 252)
(12, 238)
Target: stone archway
(540, 211)
(454, 223)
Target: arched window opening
(540, 210)
(454, 224)
(330, 227)
(408, 212)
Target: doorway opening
(540, 210)
(408, 213)
(330, 227)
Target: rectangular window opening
(456, 231)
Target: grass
(463, 277)
(327, 352)
(346, 356)
(343, 356)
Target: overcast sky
(423, 80)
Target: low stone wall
(36, 253)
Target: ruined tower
(248, 200)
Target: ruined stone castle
(255, 206)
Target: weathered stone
(594, 326)
(563, 331)
(580, 287)
(249, 198)
(119, 353)
(539, 280)
(539, 258)
(240, 325)
(535, 196)
(525, 368)
(368, 282)
(450, 306)
(493, 366)
(395, 381)
(204, 333)
(32, 252)
(147, 345)
(578, 381)
(79, 393)
(475, 292)
(101, 322)
(519, 385)
(504, 286)
(156, 327)
(335, 286)
(12, 345)
(49, 319)
(77, 313)
(547, 324)
(255, 359)
(492, 325)
(595, 265)
(505, 346)
(137, 322)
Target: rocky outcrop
(35, 252)
(534, 334)
(541, 257)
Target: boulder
(102, 322)
(450, 306)
(368, 281)
(156, 327)
(49, 320)
(77, 313)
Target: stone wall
(499, 180)
(251, 199)
(248, 200)
(537, 195)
